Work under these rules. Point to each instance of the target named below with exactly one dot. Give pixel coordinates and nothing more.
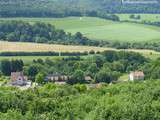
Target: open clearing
(100, 29)
(144, 17)
(35, 47)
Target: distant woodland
(63, 8)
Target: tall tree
(6, 67)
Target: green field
(144, 17)
(100, 29)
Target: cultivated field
(34, 47)
(100, 29)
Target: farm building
(137, 75)
(57, 78)
(18, 78)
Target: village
(18, 79)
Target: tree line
(46, 53)
(40, 33)
(64, 8)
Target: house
(137, 75)
(88, 79)
(57, 78)
(18, 79)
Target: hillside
(61, 8)
(101, 29)
(132, 101)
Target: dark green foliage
(132, 101)
(11, 66)
(107, 76)
(33, 70)
(40, 33)
(63, 8)
(111, 56)
(137, 17)
(152, 70)
(6, 67)
(137, 45)
(77, 77)
(42, 53)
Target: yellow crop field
(36, 47)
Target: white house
(137, 75)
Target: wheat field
(37, 47)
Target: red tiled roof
(138, 73)
(16, 75)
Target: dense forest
(125, 101)
(62, 8)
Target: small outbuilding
(137, 75)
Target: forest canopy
(63, 8)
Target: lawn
(100, 29)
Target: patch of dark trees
(44, 53)
(40, 33)
(136, 45)
(8, 66)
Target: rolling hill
(61, 8)
(101, 29)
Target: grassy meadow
(144, 17)
(100, 29)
